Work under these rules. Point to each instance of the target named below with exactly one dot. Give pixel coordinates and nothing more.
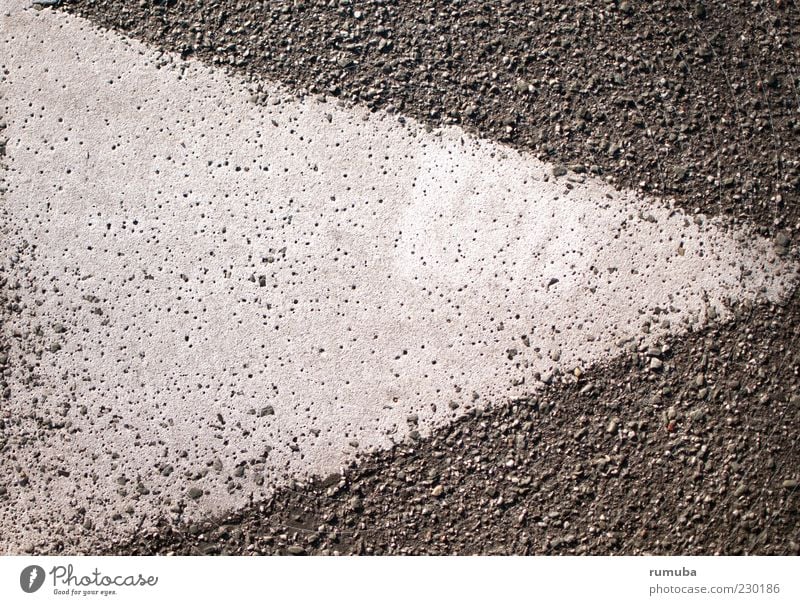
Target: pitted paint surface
(223, 295)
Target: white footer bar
(387, 580)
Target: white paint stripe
(335, 265)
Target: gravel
(662, 466)
(696, 105)
(690, 451)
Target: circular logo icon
(31, 578)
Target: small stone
(790, 483)
(267, 410)
(656, 363)
(696, 415)
(559, 170)
(699, 11)
(612, 426)
(437, 491)
(296, 551)
(601, 461)
(782, 243)
(194, 493)
(773, 80)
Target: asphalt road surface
(385, 278)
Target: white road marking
(261, 287)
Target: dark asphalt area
(687, 448)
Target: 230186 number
(758, 588)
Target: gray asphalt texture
(689, 448)
(696, 101)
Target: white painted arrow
(280, 286)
